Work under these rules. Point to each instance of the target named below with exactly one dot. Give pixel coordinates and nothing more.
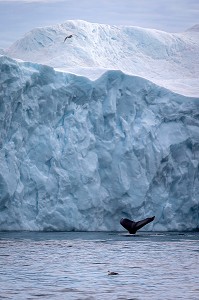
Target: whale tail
(132, 226)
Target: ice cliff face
(77, 154)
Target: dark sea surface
(74, 265)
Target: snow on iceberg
(169, 60)
(78, 154)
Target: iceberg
(167, 59)
(77, 152)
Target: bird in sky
(68, 37)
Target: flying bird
(68, 37)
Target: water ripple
(75, 266)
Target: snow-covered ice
(79, 153)
(170, 60)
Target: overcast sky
(19, 17)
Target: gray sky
(19, 17)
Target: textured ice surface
(168, 59)
(77, 154)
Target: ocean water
(75, 265)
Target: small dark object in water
(132, 226)
(112, 273)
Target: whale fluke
(132, 226)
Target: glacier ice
(168, 59)
(80, 154)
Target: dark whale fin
(132, 226)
